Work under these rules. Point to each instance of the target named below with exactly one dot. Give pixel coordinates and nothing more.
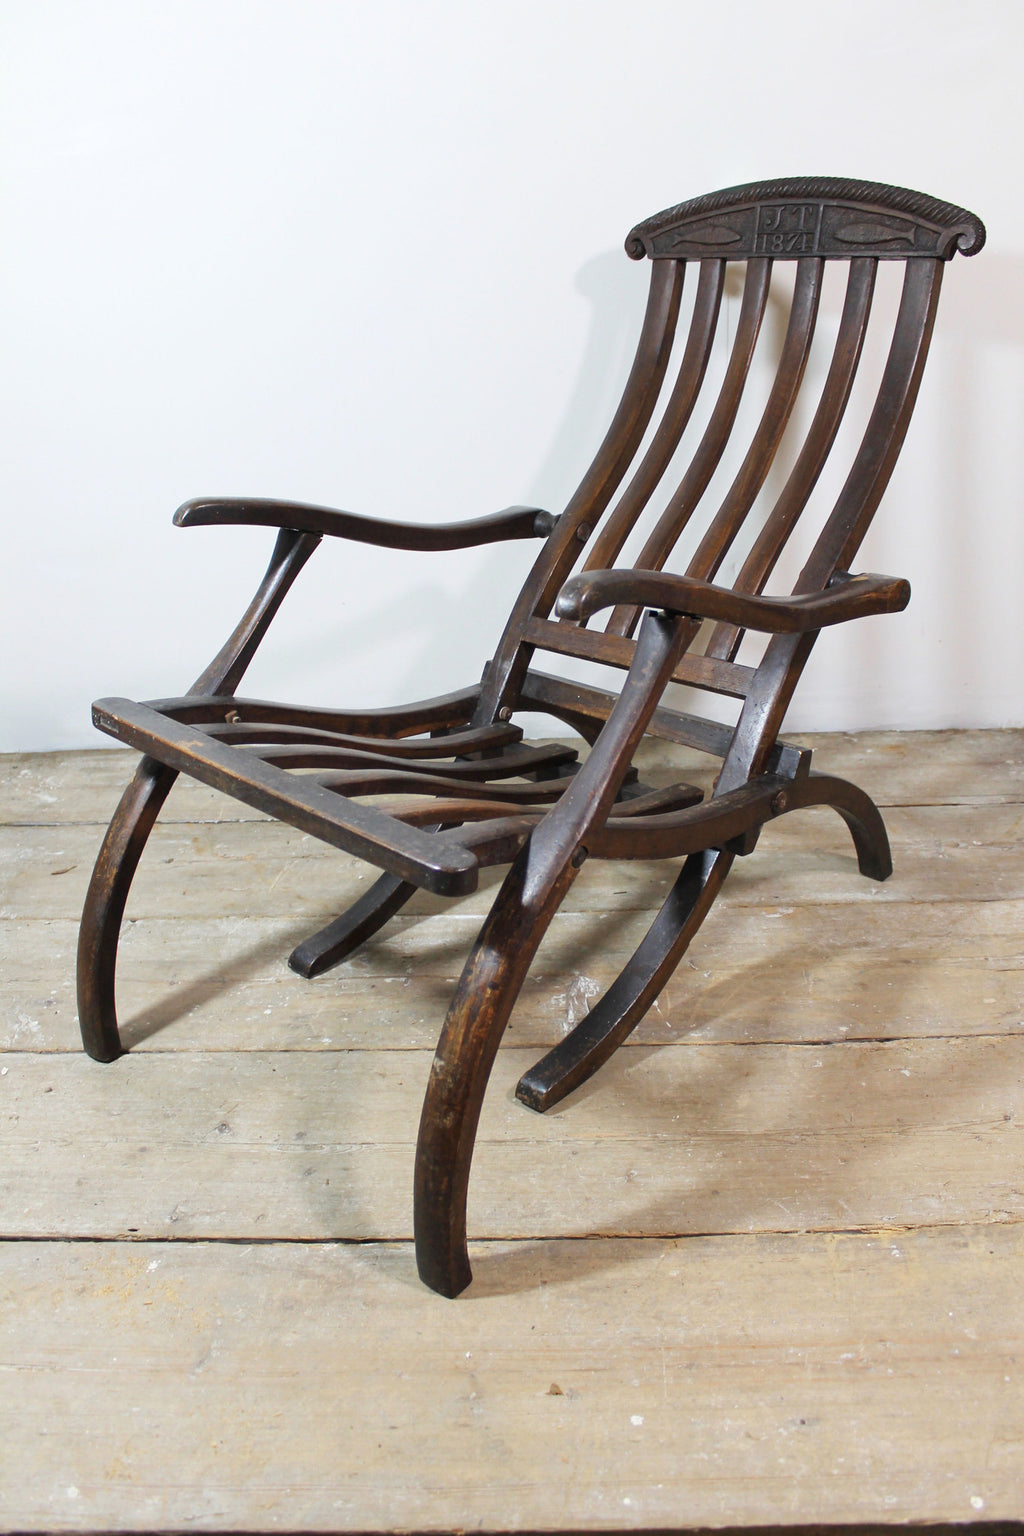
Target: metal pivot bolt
(504, 713)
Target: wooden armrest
(512, 523)
(848, 597)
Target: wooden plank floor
(767, 1268)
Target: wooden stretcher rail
(728, 677)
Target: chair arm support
(847, 597)
(512, 523)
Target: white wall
(369, 254)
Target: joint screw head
(579, 858)
(583, 532)
(233, 717)
(504, 713)
(779, 802)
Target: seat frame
(477, 794)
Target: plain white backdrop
(370, 255)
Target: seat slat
(392, 781)
(451, 744)
(449, 709)
(511, 764)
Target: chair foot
(343, 936)
(619, 1011)
(105, 902)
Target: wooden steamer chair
(479, 794)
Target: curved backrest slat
(621, 521)
(768, 546)
(727, 522)
(785, 655)
(887, 426)
(729, 519)
(599, 485)
(810, 221)
(716, 435)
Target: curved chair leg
(104, 905)
(862, 816)
(494, 973)
(480, 1009)
(622, 1007)
(341, 937)
(620, 1010)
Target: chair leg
(622, 1007)
(479, 1012)
(343, 936)
(864, 819)
(494, 973)
(104, 905)
(620, 1010)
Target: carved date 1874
(787, 229)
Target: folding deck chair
(476, 793)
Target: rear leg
(341, 937)
(634, 990)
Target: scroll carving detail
(810, 217)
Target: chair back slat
(810, 222)
(727, 522)
(767, 547)
(887, 426)
(505, 672)
(716, 435)
(724, 527)
(622, 519)
(785, 655)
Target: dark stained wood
(712, 446)
(620, 522)
(299, 801)
(512, 523)
(532, 891)
(463, 790)
(796, 348)
(809, 215)
(578, 522)
(729, 678)
(848, 597)
(586, 709)
(440, 714)
(768, 545)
